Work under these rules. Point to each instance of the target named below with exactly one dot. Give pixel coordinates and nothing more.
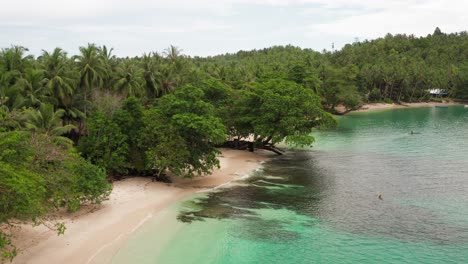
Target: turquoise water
(321, 205)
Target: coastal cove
(95, 233)
(74, 122)
(323, 203)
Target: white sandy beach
(341, 109)
(95, 234)
(379, 106)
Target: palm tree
(32, 88)
(92, 70)
(9, 119)
(176, 72)
(46, 121)
(167, 80)
(3, 86)
(172, 53)
(13, 64)
(130, 78)
(152, 76)
(14, 60)
(109, 64)
(59, 79)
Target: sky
(211, 27)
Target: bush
(90, 182)
(388, 101)
(64, 172)
(374, 95)
(351, 98)
(22, 190)
(37, 176)
(105, 145)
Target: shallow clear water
(321, 205)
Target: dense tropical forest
(69, 124)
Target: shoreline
(94, 234)
(383, 106)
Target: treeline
(405, 67)
(68, 122)
(400, 68)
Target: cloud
(24, 9)
(205, 27)
(196, 26)
(412, 17)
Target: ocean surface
(322, 205)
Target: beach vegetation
(68, 123)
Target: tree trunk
(251, 146)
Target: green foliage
(9, 120)
(339, 87)
(30, 89)
(388, 101)
(222, 97)
(461, 90)
(297, 74)
(64, 172)
(7, 249)
(47, 121)
(59, 79)
(181, 132)
(350, 98)
(106, 102)
(157, 113)
(129, 118)
(374, 95)
(129, 79)
(404, 67)
(105, 144)
(36, 175)
(22, 191)
(274, 110)
(90, 184)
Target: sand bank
(341, 109)
(379, 106)
(94, 234)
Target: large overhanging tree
(277, 110)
